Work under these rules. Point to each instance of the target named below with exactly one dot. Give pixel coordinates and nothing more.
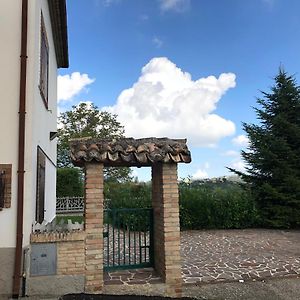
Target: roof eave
(58, 15)
(129, 151)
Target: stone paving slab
(210, 256)
(130, 277)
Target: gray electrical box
(43, 259)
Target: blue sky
(180, 68)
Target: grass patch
(74, 219)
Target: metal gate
(128, 238)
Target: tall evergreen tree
(273, 155)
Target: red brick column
(165, 201)
(94, 227)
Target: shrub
(127, 195)
(211, 207)
(202, 206)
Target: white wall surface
(39, 120)
(10, 30)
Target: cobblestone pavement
(233, 255)
(134, 276)
(126, 248)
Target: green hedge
(220, 207)
(202, 206)
(127, 195)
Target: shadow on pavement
(117, 297)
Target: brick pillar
(165, 201)
(94, 227)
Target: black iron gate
(128, 238)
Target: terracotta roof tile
(129, 151)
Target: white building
(34, 45)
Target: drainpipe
(21, 152)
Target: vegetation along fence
(69, 205)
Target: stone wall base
(58, 285)
(54, 285)
(7, 258)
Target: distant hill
(217, 181)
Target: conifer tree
(273, 155)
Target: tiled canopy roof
(129, 151)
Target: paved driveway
(218, 256)
(232, 255)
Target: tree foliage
(69, 182)
(86, 120)
(273, 155)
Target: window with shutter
(2, 188)
(40, 186)
(44, 63)
(5, 185)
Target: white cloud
(174, 5)
(231, 153)
(241, 140)
(70, 85)
(238, 165)
(157, 42)
(165, 101)
(200, 174)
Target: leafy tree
(69, 182)
(273, 156)
(86, 120)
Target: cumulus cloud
(165, 101)
(174, 5)
(241, 140)
(200, 174)
(70, 85)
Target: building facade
(33, 46)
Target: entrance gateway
(128, 238)
(111, 239)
